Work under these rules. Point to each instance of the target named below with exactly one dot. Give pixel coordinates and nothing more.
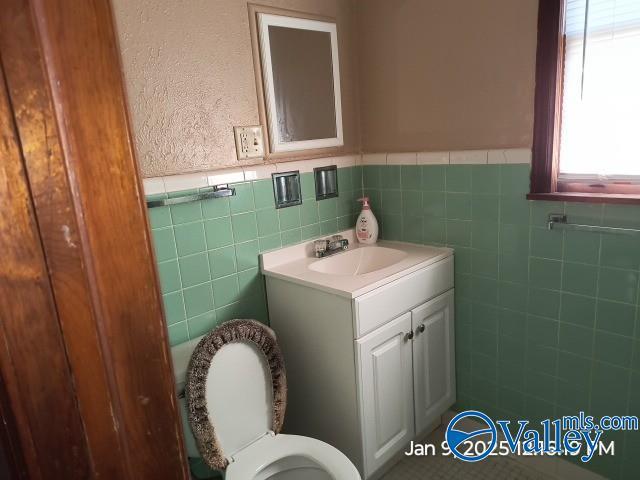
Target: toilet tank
(181, 354)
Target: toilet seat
(257, 457)
(236, 395)
(236, 389)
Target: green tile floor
(547, 322)
(208, 251)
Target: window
(587, 111)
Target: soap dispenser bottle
(366, 225)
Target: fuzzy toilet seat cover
(229, 332)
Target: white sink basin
(351, 273)
(359, 261)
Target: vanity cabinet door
(433, 359)
(386, 391)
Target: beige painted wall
(417, 75)
(446, 74)
(189, 74)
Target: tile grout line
(184, 305)
(501, 310)
(206, 245)
(634, 352)
(595, 322)
(557, 350)
(233, 236)
(526, 325)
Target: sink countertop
(292, 264)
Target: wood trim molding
(547, 107)
(613, 188)
(12, 461)
(65, 86)
(548, 118)
(44, 163)
(33, 367)
(586, 198)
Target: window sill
(586, 197)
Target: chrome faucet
(329, 246)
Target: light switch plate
(249, 143)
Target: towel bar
(559, 220)
(218, 191)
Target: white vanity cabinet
(368, 372)
(433, 359)
(386, 390)
(407, 378)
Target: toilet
(236, 392)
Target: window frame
(545, 184)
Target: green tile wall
(208, 251)
(547, 322)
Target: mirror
(301, 82)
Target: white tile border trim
(511, 156)
(454, 157)
(345, 161)
(402, 158)
(153, 186)
(259, 172)
(433, 158)
(174, 183)
(307, 166)
(374, 159)
(518, 155)
(188, 181)
(231, 175)
(468, 157)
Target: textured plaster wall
(417, 75)
(446, 75)
(188, 69)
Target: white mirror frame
(266, 20)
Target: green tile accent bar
(547, 322)
(207, 251)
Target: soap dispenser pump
(366, 225)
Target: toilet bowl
(291, 457)
(236, 390)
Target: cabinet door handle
(409, 336)
(421, 328)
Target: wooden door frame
(33, 363)
(72, 139)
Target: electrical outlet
(249, 142)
